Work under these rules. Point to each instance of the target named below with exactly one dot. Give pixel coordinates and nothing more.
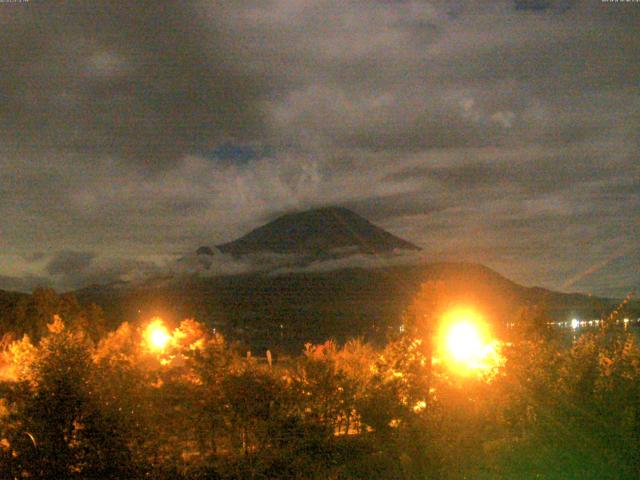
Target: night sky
(498, 132)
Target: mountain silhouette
(318, 232)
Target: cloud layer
(498, 132)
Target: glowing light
(419, 406)
(463, 341)
(575, 323)
(156, 335)
(465, 344)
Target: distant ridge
(290, 309)
(322, 231)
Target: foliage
(33, 313)
(74, 404)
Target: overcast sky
(501, 132)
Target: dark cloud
(33, 256)
(69, 262)
(381, 209)
(495, 131)
(552, 172)
(122, 78)
(457, 176)
(24, 283)
(70, 269)
(544, 5)
(532, 4)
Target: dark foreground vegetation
(80, 402)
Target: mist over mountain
(322, 273)
(313, 275)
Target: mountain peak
(320, 231)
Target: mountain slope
(321, 231)
(286, 311)
(269, 308)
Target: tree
(53, 404)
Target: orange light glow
(156, 335)
(465, 343)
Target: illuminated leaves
(56, 326)
(17, 359)
(197, 404)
